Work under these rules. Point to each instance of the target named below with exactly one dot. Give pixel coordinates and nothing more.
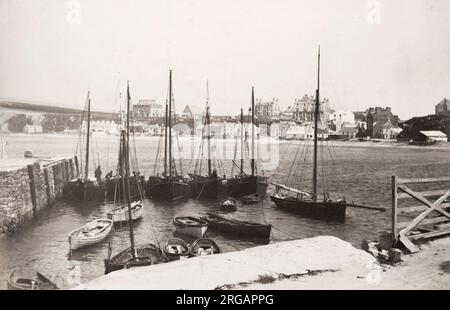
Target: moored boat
(175, 249)
(29, 279)
(236, 227)
(120, 214)
(190, 226)
(138, 256)
(228, 205)
(204, 246)
(91, 233)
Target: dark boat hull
(114, 188)
(84, 190)
(243, 229)
(247, 185)
(206, 188)
(321, 209)
(148, 254)
(167, 190)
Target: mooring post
(394, 210)
(32, 189)
(71, 168)
(77, 168)
(47, 187)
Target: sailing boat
(170, 186)
(243, 184)
(208, 186)
(303, 202)
(83, 188)
(134, 256)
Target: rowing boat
(204, 246)
(120, 214)
(175, 249)
(29, 279)
(91, 233)
(190, 226)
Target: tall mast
(170, 123)
(253, 133)
(86, 168)
(316, 117)
(208, 128)
(127, 172)
(165, 141)
(242, 141)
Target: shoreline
(336, 143)
(297, 264)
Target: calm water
(359, 173)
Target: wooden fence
(429, 218)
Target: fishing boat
(135, 255)
(301, 201)
(170, 185)
(203, 247)
(120, 213)
(29, 279)
(206, 186)
(244, 184)
(228, 205)
(89, 234)
(242, 228)
(190, 226)
(250, 199)
(84, 188)
(175, 249)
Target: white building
(434, 135)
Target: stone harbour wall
(25, 191)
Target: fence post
(394, 210)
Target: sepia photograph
(208, 145)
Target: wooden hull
(78, 238)
(241, 228)
(228, 205)
(147, 254)
(167, 190)
(246, 185)
(176, 249)
(120, 214)
(320, 209)
(203, 247)
(29, 280)
(190, 226)
(84, 190)
(114, 188)
(205, 188)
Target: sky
(373, 52)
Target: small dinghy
(120, 214)
(251, 199)
(29, 279)
(176, 249)
(228, 205)
(93, 232)
(236, 227)
(143, 255)
(190, 226)
(204, 246)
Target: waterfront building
(32, 128)
(434, 136)
(146, 109)
(443, 107)
(267, 110)
(385, 129)
(303, 109)
(377, 117)
(191, 111)
(349, 131)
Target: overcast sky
(399, 58)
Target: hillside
(430, 122)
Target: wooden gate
(430, 219)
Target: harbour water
(360, 173)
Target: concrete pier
(29, 185)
